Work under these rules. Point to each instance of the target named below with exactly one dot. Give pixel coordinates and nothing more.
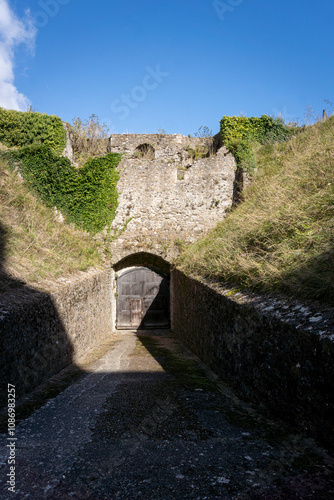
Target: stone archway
(145, 151)
(142, 292)
(143, 300)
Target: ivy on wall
(19, 128)
(264, 129)
(243, 153)
(239, 133)
(87, 196)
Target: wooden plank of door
(136, 311)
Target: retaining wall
(43, 332)
(273, 360)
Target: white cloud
(13, 32)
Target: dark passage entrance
(143, 300)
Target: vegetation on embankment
(243, 135)
(34, 246)
(281, 237)
(39, 186)
(19, 128)
(86, 196)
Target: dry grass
(281, 237)
(33, 245)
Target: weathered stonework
(43, 332)
(171, 195)
(172, 189)
(273, 353)
(68, 151)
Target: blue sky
(163, 64)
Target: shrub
(88, 138)
(27, 128)
(239, 132)
(87, 197)
(206, 134)
(263, 130)
(243, 154)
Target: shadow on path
(145, 421)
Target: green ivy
(87, 196)
(264, 129)
(239, 132)
(243, 154)
(19, 128)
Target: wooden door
(136, 312)
(143, 299)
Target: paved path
(145, 422)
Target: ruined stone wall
(43, 332)
(172, 189)
(273, 352)
(170, 196)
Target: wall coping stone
(311, 317)
(47, 287)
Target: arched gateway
(143, 292)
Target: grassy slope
(33, 246)
(282, 236)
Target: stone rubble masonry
(43, 332)
(68, 151)
(275, 354)
(170, 197)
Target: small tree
(88, 137)
(205, 133)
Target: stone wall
(172, 189)
(166, 146)
(277, 354)
(43, 332)
(171, 196)
(68, 151)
